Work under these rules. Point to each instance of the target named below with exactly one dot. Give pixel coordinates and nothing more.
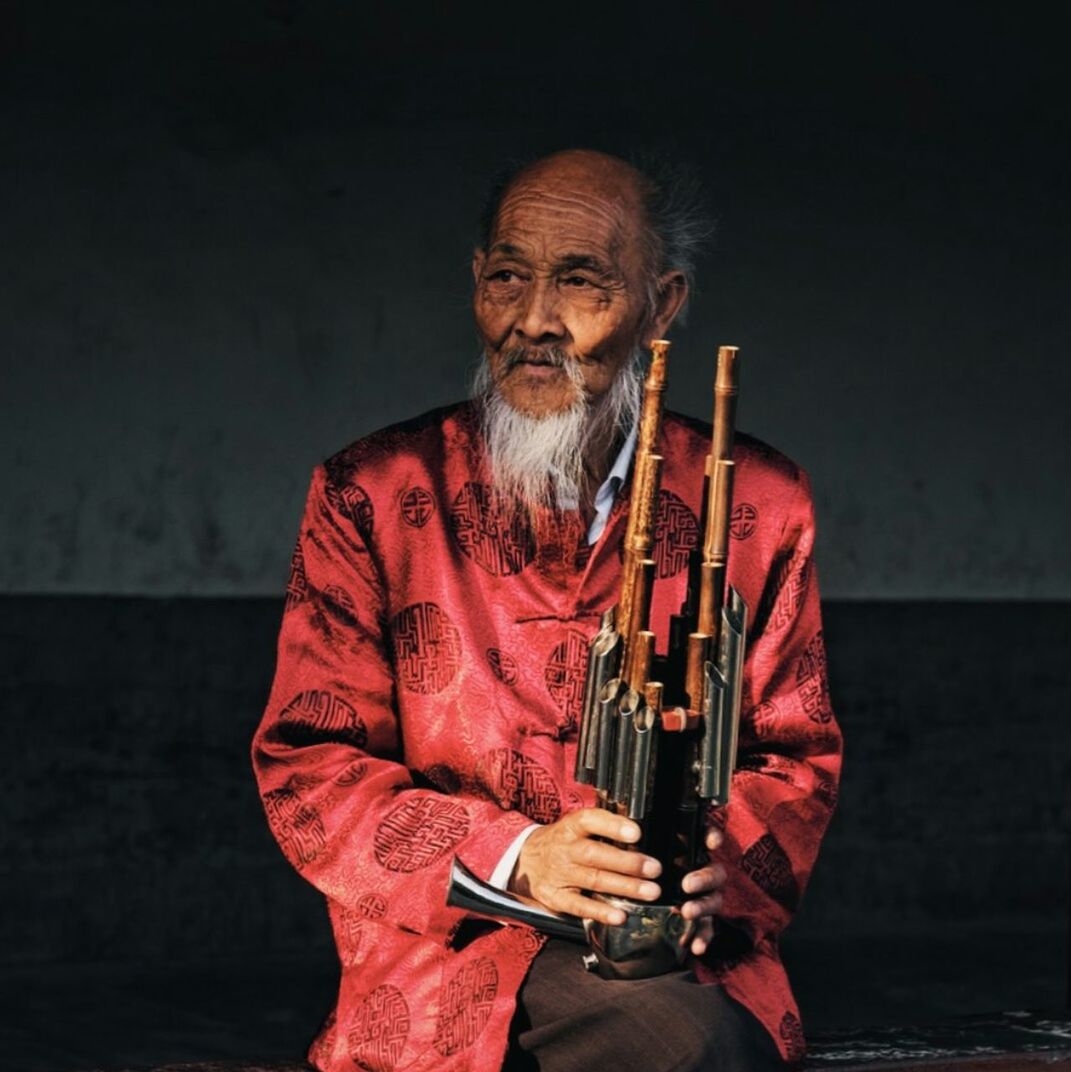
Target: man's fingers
(602, 823)
(599, 881)
(705, 906)
(576, 904)
(597, 854)
(704, 934)
(711, 877)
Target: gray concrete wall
(134, 835)
(236, 236)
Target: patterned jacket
(429, 679)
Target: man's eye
(503, 275)
(577, 281)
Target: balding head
(671, 218)
(585, 169)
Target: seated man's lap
(568, 1018)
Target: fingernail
(629, 832)
(686, 884)
(617, 917)
(651, 868)
(649, 890)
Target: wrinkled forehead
(548, 215)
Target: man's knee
(571, 1020)
(719, 1035)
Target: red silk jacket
(429, 680)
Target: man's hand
(707, 883)
(560, 861)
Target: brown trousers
(571, 1020)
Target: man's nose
(540, 316)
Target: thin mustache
(520, 355)
(553, 356)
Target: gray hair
(677, 224)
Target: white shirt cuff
(501, 874)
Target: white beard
(540, 461)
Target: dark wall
(238, 237)
(135, 835)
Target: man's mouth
(534, 368)
(533, 359)
(535, 371)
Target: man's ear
(478, 258)
(671, 294)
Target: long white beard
(540, 461)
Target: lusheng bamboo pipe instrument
(654, 763)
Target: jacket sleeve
(328, 754)
(788, 765)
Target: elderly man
(448, 574)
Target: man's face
(563, 278)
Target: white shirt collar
(608, 489)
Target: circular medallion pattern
(498, 539)
(379, 1030)
(427, 647)
(419, 832)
